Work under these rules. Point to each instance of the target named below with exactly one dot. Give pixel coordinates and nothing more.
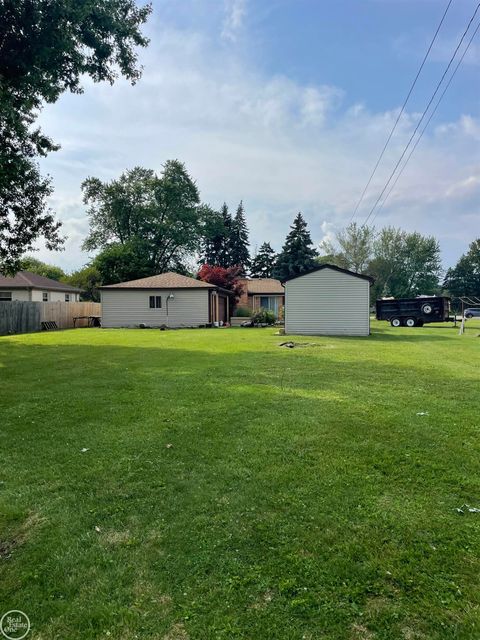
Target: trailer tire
(410, 322)
(427, 309)
(469, 315)
(396, 322)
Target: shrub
(263, 316)
(242, 312)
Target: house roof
(169, 280)
(335, 268)
(28, 280)
(265, 286)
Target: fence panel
(63, 313)
(19, 317)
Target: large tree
(88, 279)
(264, 262)
(298, 254)
(239, 251)
(213, 236)
(150, 223)
(46, 47)
(225, 254)
(355, 248)
(464, 278)
(34, 265)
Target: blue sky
(285, 104)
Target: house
(30, 287)
(168, 299)
(328, 300)
(262, 293)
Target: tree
(239, 252)
(121, 262)
(157, 220)
(46, 47)
(355, 247)
(464, 278)
(88, 279)
(213, 236)
(225, 254)
(264, 262)
(298, 254)
(29, 263)
(224, 277)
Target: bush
(242, 312)
(263, 316)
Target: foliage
(32, 264)
(298, 254)
(157, 220)
(264, 262)
(464, 278)
(242, 312)
(355, 248)
(121, 262)
(226, 278)
(46, 48)
(263, 316)
(224, 258)
(290, 475)
(239, 252)
(213, 236)
(88, 279)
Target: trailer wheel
(396, 322)
(427, 309)
(469, 315)
(410, 322)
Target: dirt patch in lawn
(9, 544)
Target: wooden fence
(25, 317)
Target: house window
(155, 302)
(5, 296)
(45, 296)
(67, 297)
(270, 303)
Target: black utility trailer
(413, 312)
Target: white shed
(328, 300)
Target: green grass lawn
(235, 489)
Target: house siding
(327, 302)
(53, 296)
(129, 308)
(21, 295)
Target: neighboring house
(328, 301)
(168, 299)
(30, 287)
(262, 293)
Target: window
(155, 302)
(45, 296)
(5, 296)
(270, 303)
(67, 297)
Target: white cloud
(279, 145)
(235, 12)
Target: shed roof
(28, 280)
(265, 286)
(169, 280)
(335, 268)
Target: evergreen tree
(298, 254)
(213, 239)
(224, 257)
(264, 262)
(464, 278)
(239, 253)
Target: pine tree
(239, 253)
(213, 239)
(298, 254)
(264, 262)
(224, 257)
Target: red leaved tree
(224, 277)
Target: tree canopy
(34, 265)
(298, 253)
(46, 47)
(264, 262)
(239, 251)
(464, 278)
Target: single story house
(168, 299)
(262, 293)
(328, 300)
(30, 287)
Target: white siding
(53, 296)
(327, 302)
(130, 307)
(22, 295)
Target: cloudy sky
(286, 105)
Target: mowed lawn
(235, 489)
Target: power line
(428, 122)
(401, 111)
(423, 115)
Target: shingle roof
(168, 280)
(335, 268)
(265, 286)
(28, 280)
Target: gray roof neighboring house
(169, 280)
(28, 280)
